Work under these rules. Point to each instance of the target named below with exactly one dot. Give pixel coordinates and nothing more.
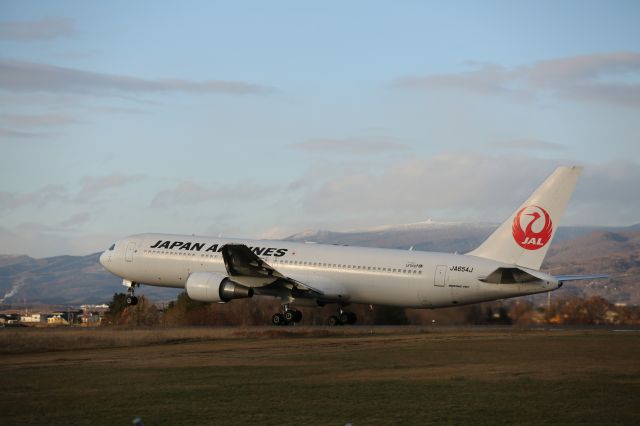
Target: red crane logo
(538, 230)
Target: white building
(31, 318)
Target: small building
(65, 317)
(31, 318)
(91, 318)
(9, 318)
(57, 319)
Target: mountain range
(75, 280)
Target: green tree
(144, 313)
(117, 305)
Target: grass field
(324, 376)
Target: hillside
(426, 236)
(447, 237)
(616, 254)
(72, 280)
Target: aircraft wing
(245, 267)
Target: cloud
(609, 193)
(29, 31)
(38, 240)
(349, 146)
(21, 126)
(486, 79)
(187, 193)
(444, 185)
(19, 76)
(93, 186)
(553, 72)
(609, 78)
(529, 144)
(37, 120)
(462, 186)
(120, 110)
(75, 221)
(38, 198)
(8, 134)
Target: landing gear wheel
(289, 316)
(293, 316)
(353, 318)
(132, 300)
(278, 319)
(344, 318)
(334, 320)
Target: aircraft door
(128, 254)
(429, 293)
(439, 276)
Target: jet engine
(214, 287)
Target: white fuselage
(345, 274)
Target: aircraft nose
(104, 259)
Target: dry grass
(30, 340)
(307, 375)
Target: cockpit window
(112, 247)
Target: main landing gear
(342, 318)
(288, 316)
(131, 298)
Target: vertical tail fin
(525, 237)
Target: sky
(263, 119)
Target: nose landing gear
(131, 298)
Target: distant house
(91, 318)
(9, 318)
(95, 308)
(57, 319)
(65, 317)
(31, 318)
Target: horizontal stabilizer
(509, 276)
(563, 278)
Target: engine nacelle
(214, 287)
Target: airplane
(507, 264)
